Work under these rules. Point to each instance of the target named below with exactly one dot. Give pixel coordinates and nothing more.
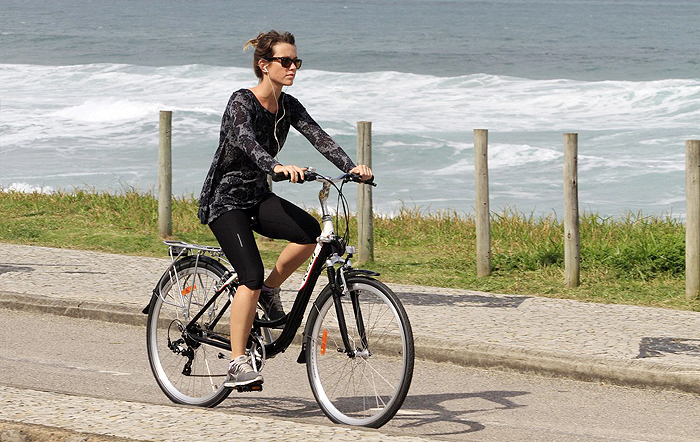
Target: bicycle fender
(355, 272)
(154, 293)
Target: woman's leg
(243, 309)
(235, 236)
(293, 256)
(280, 219)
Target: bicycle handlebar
(311, 175)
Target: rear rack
(178, 249)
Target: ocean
(82, 84)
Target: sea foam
(99, 123)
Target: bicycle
(357, 343)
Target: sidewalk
(627, 345)
(43, 416)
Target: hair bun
(254, 41)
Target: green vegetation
(634, 260)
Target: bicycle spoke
(375, 371)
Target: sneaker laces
(240, 365)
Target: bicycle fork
(339, 289)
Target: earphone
(284, 112)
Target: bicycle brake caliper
(343, 283)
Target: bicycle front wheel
(369, 387)
(188, 372)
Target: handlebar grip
(358, 179)
(308, 176)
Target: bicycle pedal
(246, 388)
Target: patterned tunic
(237, 178)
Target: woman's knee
(306, 226)
(253, 278)
(245, 291)
(312, 231)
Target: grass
(632, 260)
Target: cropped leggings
(274, 217)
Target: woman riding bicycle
(236, 198)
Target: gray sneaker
(272, 303)
(241, 373)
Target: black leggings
(273, 217)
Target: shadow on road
(651, 347)
(447, 411)
(429, 415)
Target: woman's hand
(364, 171)
(294, 173)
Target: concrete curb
(585, 368)
(466, 353)
(22, 432)
(99, 311)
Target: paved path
(138, 421)
(612, 343)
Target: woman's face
(275, 70)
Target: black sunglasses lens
(286, 62)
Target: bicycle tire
(192, 280)
(366, 390)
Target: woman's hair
(264, 44)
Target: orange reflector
(187, 290)
(324, 340)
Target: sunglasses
(286, 62)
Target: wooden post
(572, 258)
(365, 218)
(692, 219)
(165, 175)
(483, 214)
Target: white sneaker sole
(255, 381)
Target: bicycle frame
(326, 254)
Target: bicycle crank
(256, 350)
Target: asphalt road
(107, 360)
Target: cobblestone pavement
(138, 421)
(613, 343)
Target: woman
(254, 128)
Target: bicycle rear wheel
(188, 372)
(369, 388)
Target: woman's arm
(307, 126)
